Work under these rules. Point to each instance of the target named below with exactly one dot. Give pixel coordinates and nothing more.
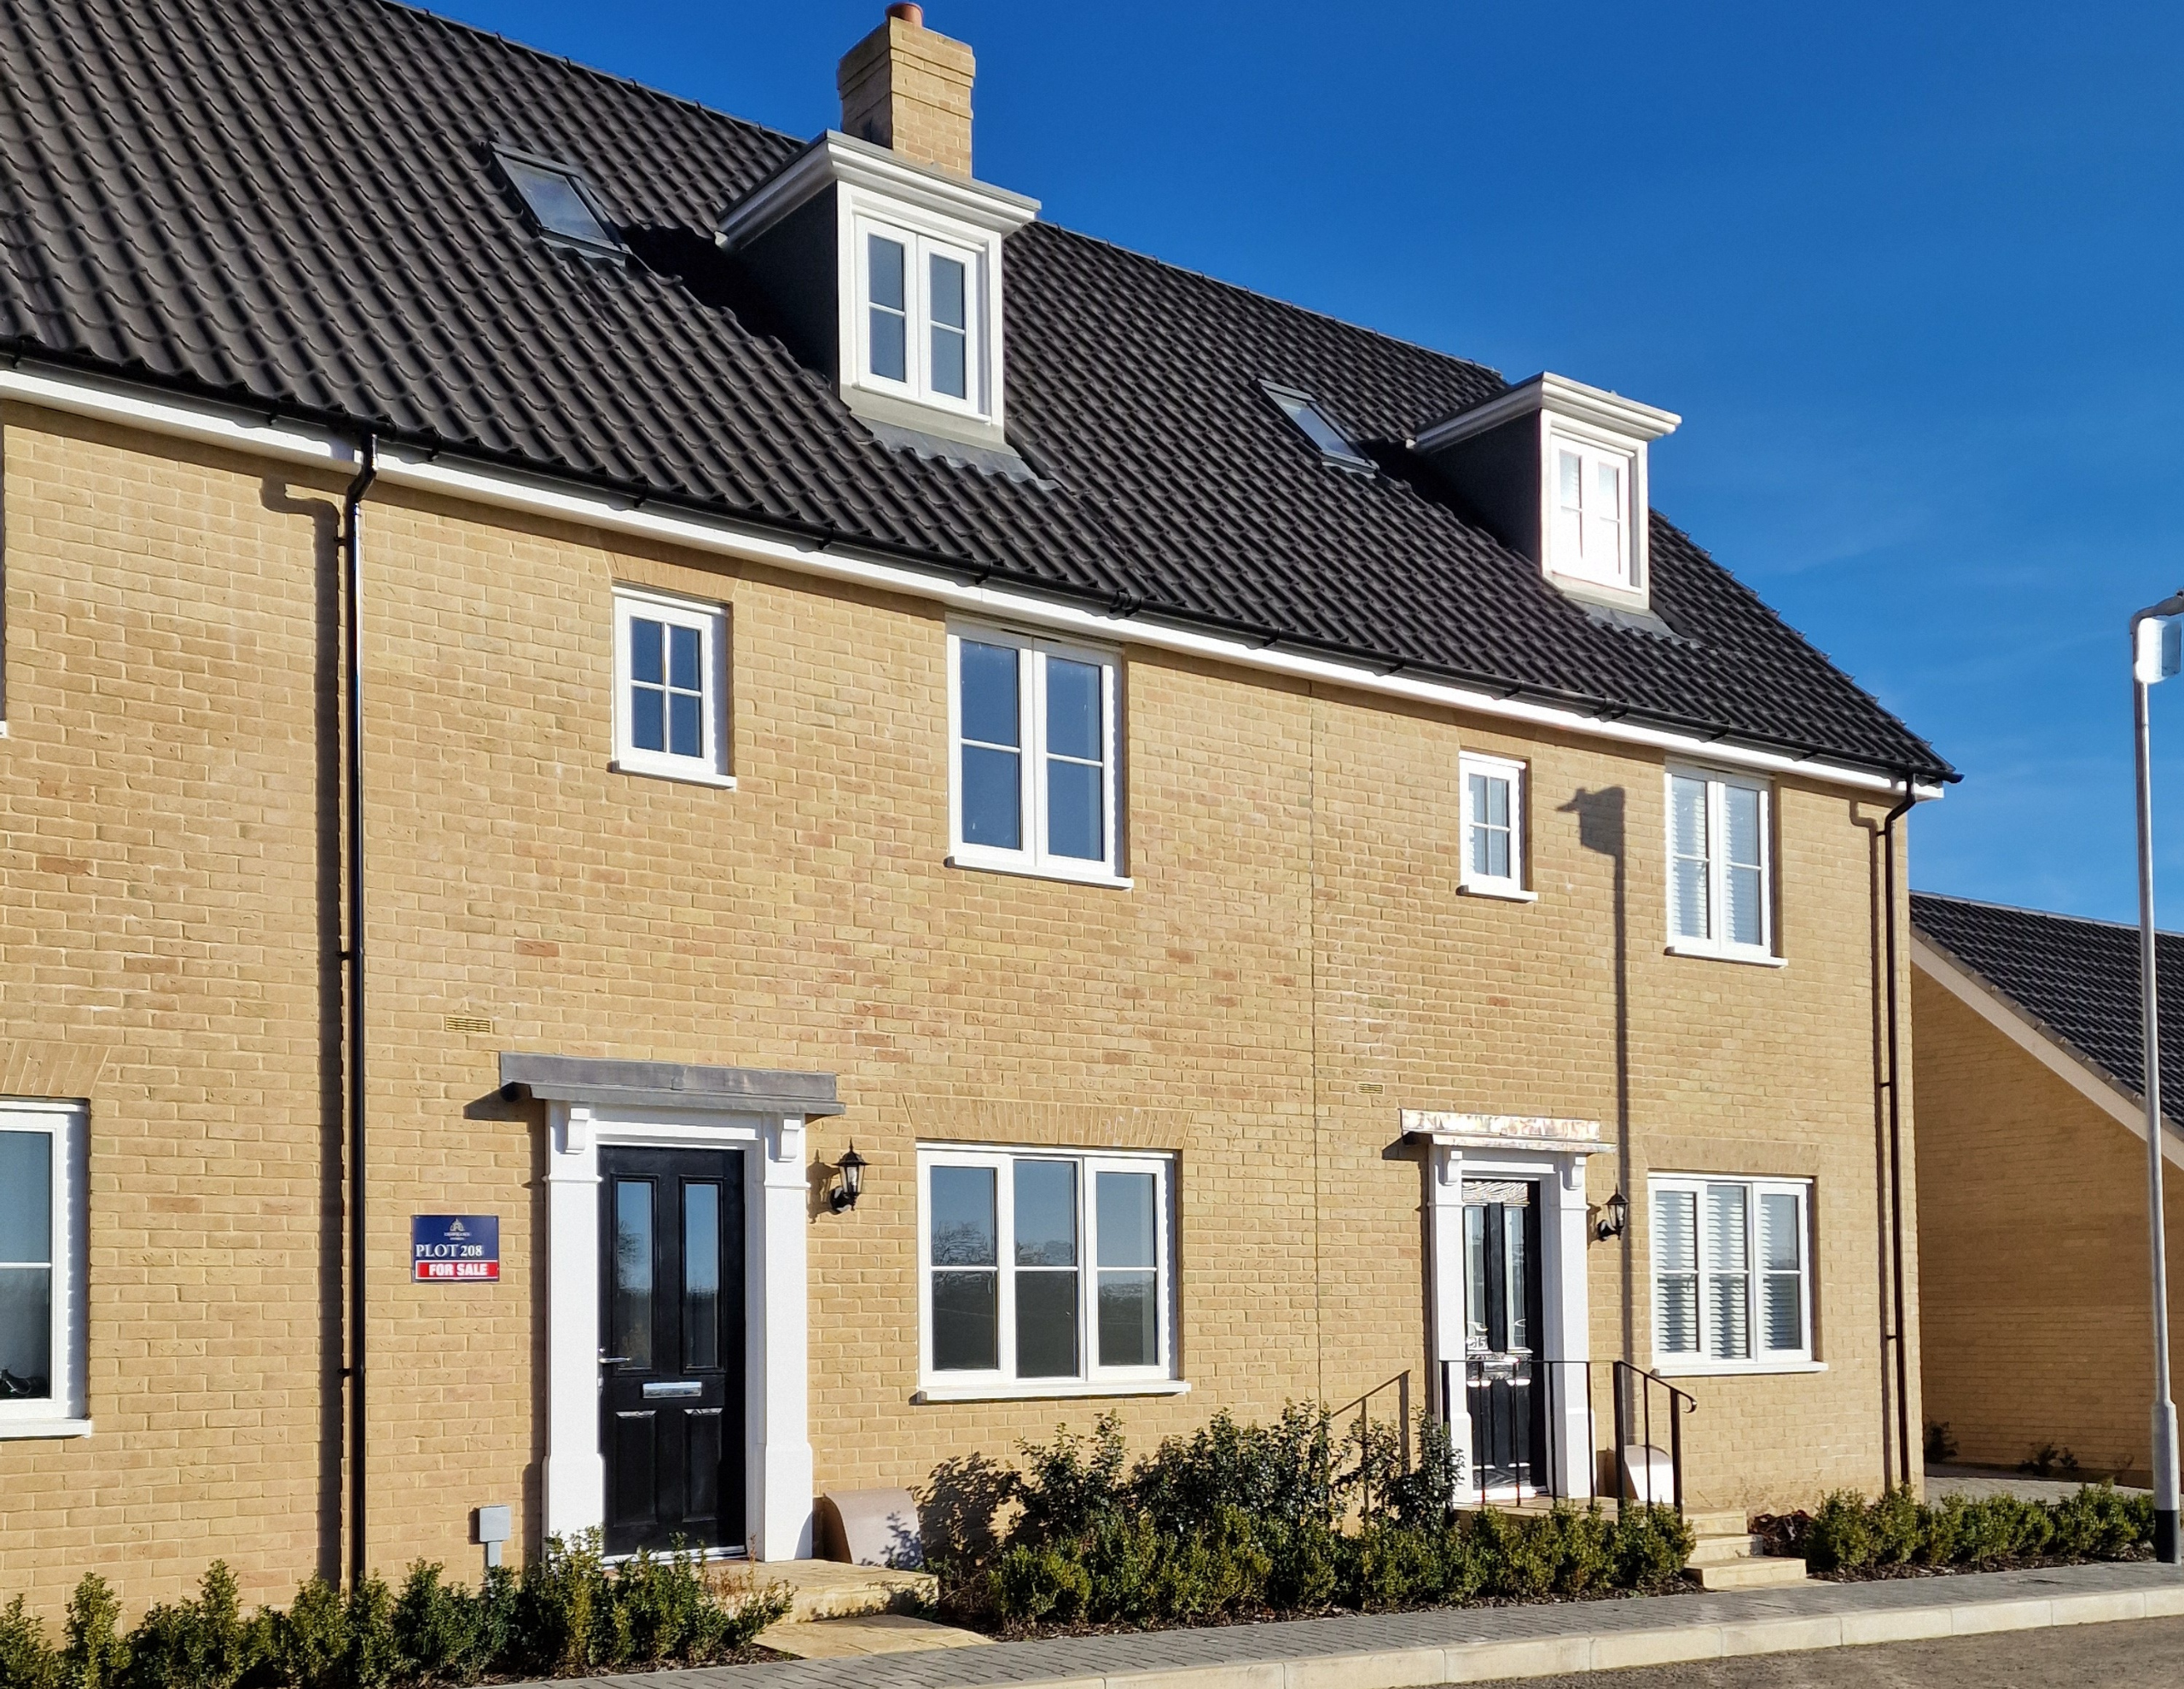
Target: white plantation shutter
(1728, 1294)
(1675, 1272)
(1782, 1254)
(1690, 894)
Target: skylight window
(556, 197)
(1304, 410)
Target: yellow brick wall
(1293, 967)
(2032, 1227)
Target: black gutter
(1895, 1085)
(352, 573)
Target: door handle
(613, 1360)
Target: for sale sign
(451, 1248)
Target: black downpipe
(1895, 1135)
(353, 581)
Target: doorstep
(831, 1589)
(845, 1639)
(1473, 1644)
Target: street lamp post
(2156, 653)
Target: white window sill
(692, 776)
(1677, 1368)
(1094, 875)
(1708, 953)
(1058, 1389)
(29, 1428)
(1507, 894)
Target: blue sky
(1909, 271)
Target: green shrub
(94, 1656)
(564, 1610)
(193, 1645)
(27, 1660)
(1648, 1547)
(309, 1644)
(1849, 1533)
(1840, 1537)
(1069, 1484)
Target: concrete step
(1760, 1573)
(842, 1639)
(1724, 1522)
(1720, 1551)
(829, 1589)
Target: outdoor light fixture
(1614, 1216)
(2156, 654)
(852, 1167)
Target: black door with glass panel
(670, 1271)
(1501, 1318)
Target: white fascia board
(838, 158)
(568, 502)
(1624, 419)
(2087, 1079)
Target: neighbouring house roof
(2077, 980)
(295, 207)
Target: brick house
(569, 658)
(2036, 1292)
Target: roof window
(557, 198)
(1304, 410)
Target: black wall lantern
(852, 1167)
(1613, 1218)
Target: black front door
(670, 1277)
(1502, 1295)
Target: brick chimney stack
(906, 87)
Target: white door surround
(760, 1112)
(1552, 1151)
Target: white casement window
(1493, 826)
(671, 687)
(922, 327)
(1589, 502)
(42, 1256)
(1046, 1272)
(1033, 728)
(1732, 1273)
(1720, 899)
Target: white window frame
(64, 1411)
(1628, 575)
(1511, 885)
(1034, 857)
(710, 621)
(1699, 1364)
(1716, 942)
(1162, 1378)
(921, 244)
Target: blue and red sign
(455, 1248)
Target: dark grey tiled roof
(2078, 978)
(293, 206)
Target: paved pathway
(1495, 1640)
(2146, 1655)
(1976, 1484)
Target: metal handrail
(1680, 1402)
(1634, 1389)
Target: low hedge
(568, 1614)
(1239, 1520)
(1849, 1533)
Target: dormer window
(1556, 470)
(921, 305)
(1591, 539)
(888, 275)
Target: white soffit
(246, 431)
(1558, 396)
(2090, 1080)
(836, 157)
